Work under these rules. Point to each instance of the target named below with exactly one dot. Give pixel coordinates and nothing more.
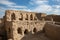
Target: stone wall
(52, 31)
(56, 18)
(2, 29)
(20, 23)
(26, 27)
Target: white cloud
(43, 6)
(6, 2)
(11, 4)
(56, 6)
(26, 10)
(57, 0)
(2, 9)
(2, 12)
(56, 11)
(38, 2)
(16, 6)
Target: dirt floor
(36, 36)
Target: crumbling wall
(56, 18)
(1, 22)
(21, 22)
(52, 31)
(9, 30)
(2, 29)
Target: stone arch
(31, 17)
(13, 17)
(21, 18)
(26, 17)
(19, 30)
(35, 18)
(26, 31)
(34, 30)
(9, 30)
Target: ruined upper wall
(56, 18)
(22, 15)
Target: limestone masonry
(23, 25)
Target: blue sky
(45, 6)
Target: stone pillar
(51, 19)
(43, 19)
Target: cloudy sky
(45, 6)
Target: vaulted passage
(34, 30)
(13, 17)
(26, 17)
(26, 31)
(31, 17)
(19, 31)
(21, 16)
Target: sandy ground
(36, 36)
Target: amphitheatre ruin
(23, 25)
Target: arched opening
(26, 17)
(21, 16)
(19, 31)
(31, 17)
(13, 17)
(9, 30)
(35, 18)
(34, 30)
(26, 31)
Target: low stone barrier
(52, 31)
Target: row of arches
(19, 30)
(13, 17)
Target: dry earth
(37, 36)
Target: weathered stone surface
(22, 25)
(52, 31)
(24, 21)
